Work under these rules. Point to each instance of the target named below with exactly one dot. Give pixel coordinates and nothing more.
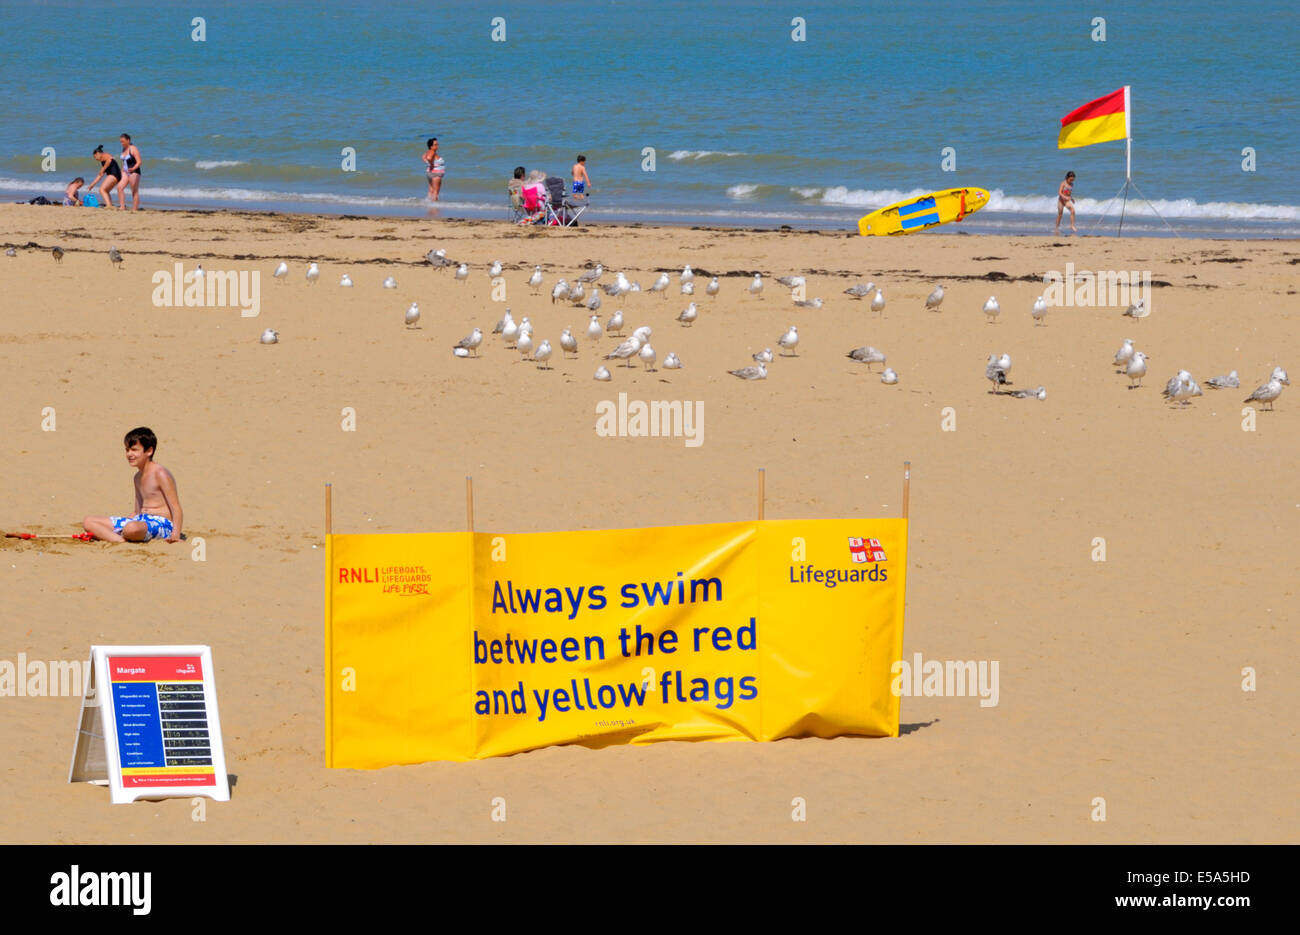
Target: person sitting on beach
(109, 171)
(580, 178)
(1065, 199)
(157, 506)
(515, 188)
(72, 194)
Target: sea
(806, 113)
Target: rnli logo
(865, 550)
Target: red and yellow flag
(1098, 121)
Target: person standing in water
(581, 181)
(1065, 199)
(131, 173)
(435, 168)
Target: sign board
(149, 724)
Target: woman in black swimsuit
(131, 163)
(109, 171)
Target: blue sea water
(747, 126)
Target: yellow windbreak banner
(454, 646)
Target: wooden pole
(907, 487)
(469, 503)
(762, 490)
(329, 510)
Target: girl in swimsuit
(435, 167)
(130, 162)
(1065, 199)
(109, 171)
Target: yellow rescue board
(930, 210)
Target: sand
(1120, 679)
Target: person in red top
(1065, 199)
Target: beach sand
(1119, 679)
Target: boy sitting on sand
(157, 506)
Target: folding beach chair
(562, 210)
(515, 204)
(534, 207)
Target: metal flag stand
(1128, 176)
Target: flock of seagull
(586, 291)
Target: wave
(742, 191)
(696, 155)
(206, 164)
(999, 201)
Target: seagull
(1266, 393)
(1137, 310)
(750, 373)
(471, 341)
(592, 275)
(1039, 311)
(560, 290)
(114, 257)
(688, 288)
(1175, 381)
(462, 272)
(525, 327)
(1137, 369)
(198, 272)
(620, 286)
(346, 281)
(791, 282)
(642, 334)
(543, 353)
(626, 351)
(1280, 376)
(535, 280)
(889, 377)
(390, 283)
(509, 330)
(861, 290)
(994, 372)
(525, 343)
(593, 303)
(648, 356)
(1124, 354)
(764, 356)
(1039, 393)
(506, 319)
(593, 328)
(991, 309)
(568, 343)
(313, 274)
(57, 253)
(672, 362)
(687, 275)
(810, 303)
(439, 258)
(270, 336)
(789, 341)
(281, 271)
(712, 289)
(576, 293)
(495, 270)
(756, 288)
(1004, 361)
(867, 355)
(1230, 382)
(688, 314)
(615, 323)
(602, 374)
(11, 252)
(935, 298)
(878, 303)
(459, 352)
(413, 314)
(661, 285)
